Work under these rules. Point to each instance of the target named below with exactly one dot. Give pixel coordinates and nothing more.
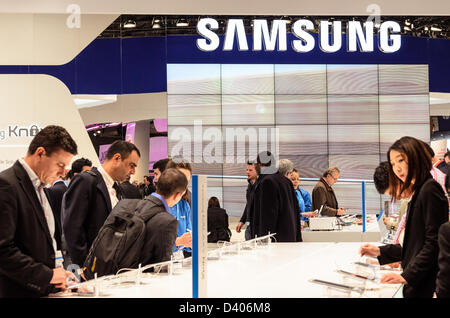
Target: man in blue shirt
(182, 210)
(161, 230)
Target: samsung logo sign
(360, 37)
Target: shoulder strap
(147, 209)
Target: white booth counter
(276, 270)
(350, 233)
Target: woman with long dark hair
(409, 175)
(217, 222)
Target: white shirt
(38, 187)
(109, 185)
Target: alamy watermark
(229, 145)
(74, 19)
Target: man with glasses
(323, 194)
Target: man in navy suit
(29, 236)
(92, 195)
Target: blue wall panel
(99, 68)
(144, 65)
(138, 65)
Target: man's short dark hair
(170, 182)
(161, 164)
(53, 138)
(447, 154)
(77, 165)
(381, 177)
(122, 147)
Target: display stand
(199, 236)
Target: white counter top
(278, 270)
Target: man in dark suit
(252, 176)
(28, 231)
(59, 187)
(92, 195)
(275, 206)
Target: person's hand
(59, 278)
(340, 211)
(394, 265)
(185, 240)
(239, 226)
(392, 278)
(309, 214)
(369, 250)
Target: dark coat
(160, 234)
(443, 276)
(218, 225)
(129, 191)
(55, 194)
(427, 211)
(27, 257)
(249, 197)
(147, 190)
(86, 205)
(275, 209)
(323, 194)
(443, 166)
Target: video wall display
(323, 115)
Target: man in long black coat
(275, 207)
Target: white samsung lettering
(306, 42)
(202, 29)
(359, 37)
(325, 38)
(390, 44)
(233, 26)
(277, 35)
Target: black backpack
(120, 240)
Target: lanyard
(178, 212)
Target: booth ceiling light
(436, 29)
(156, 26)
(182, 23)
(129, 24)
